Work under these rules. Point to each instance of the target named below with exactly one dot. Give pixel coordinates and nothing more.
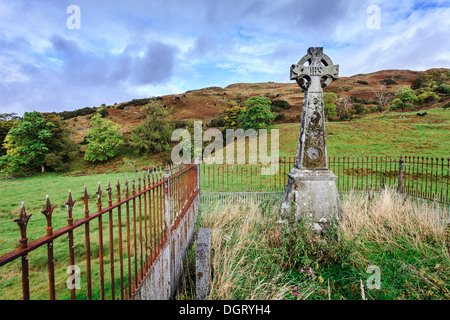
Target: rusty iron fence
(422, 177)
(119, 241)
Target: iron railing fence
(424, 177)
(425, 180)
(120, 241)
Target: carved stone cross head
(318, 74)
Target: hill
(205, 104)
(210, 103)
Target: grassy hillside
(380, 134)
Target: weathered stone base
(315, 196)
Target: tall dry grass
(243, 237)
(252, 259)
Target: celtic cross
(311, 151)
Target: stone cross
(312, 152)
(311, 185)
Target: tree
(329, 104)
(7, 121)
(153, 135)
(257, 114)
(59, 144)
(344, 109)
(406, 97)
(26, 142)
(383, 97)
(9, 116)
(103, 139)
(5, 126)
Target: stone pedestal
(311, 187)
(314, 195)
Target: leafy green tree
(59, 145)
(103, 140)
(153, 135)
(329, 103)
(257, 114)
(26, 143)
(405, 98)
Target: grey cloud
(312, 17)
(157, 65)
(82, 67)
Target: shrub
(431, 79)
(360, 108)
(428, 96)
(362, 82)
(388, 82)
(231, 118)
(280, 104)
(217, 122)
(443, 88)
(103, 111)
(76, 113)
(446, 106)
(330, 99)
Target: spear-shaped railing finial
(69, 205)
(48, 211)
(85, 198)
(22, 222)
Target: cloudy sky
(134, 49)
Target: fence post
(198, 162)
(400, 176)
(168, 227)
(202, 263)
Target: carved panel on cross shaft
(314, 155)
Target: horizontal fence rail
(423, 177)
(114, 247)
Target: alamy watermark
(74, 20)
(374, 20)
(374, 281)
(221, 151)
(73, 282)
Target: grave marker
(311, 185)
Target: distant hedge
(76, 113)
(136, 102)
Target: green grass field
(381, 134)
